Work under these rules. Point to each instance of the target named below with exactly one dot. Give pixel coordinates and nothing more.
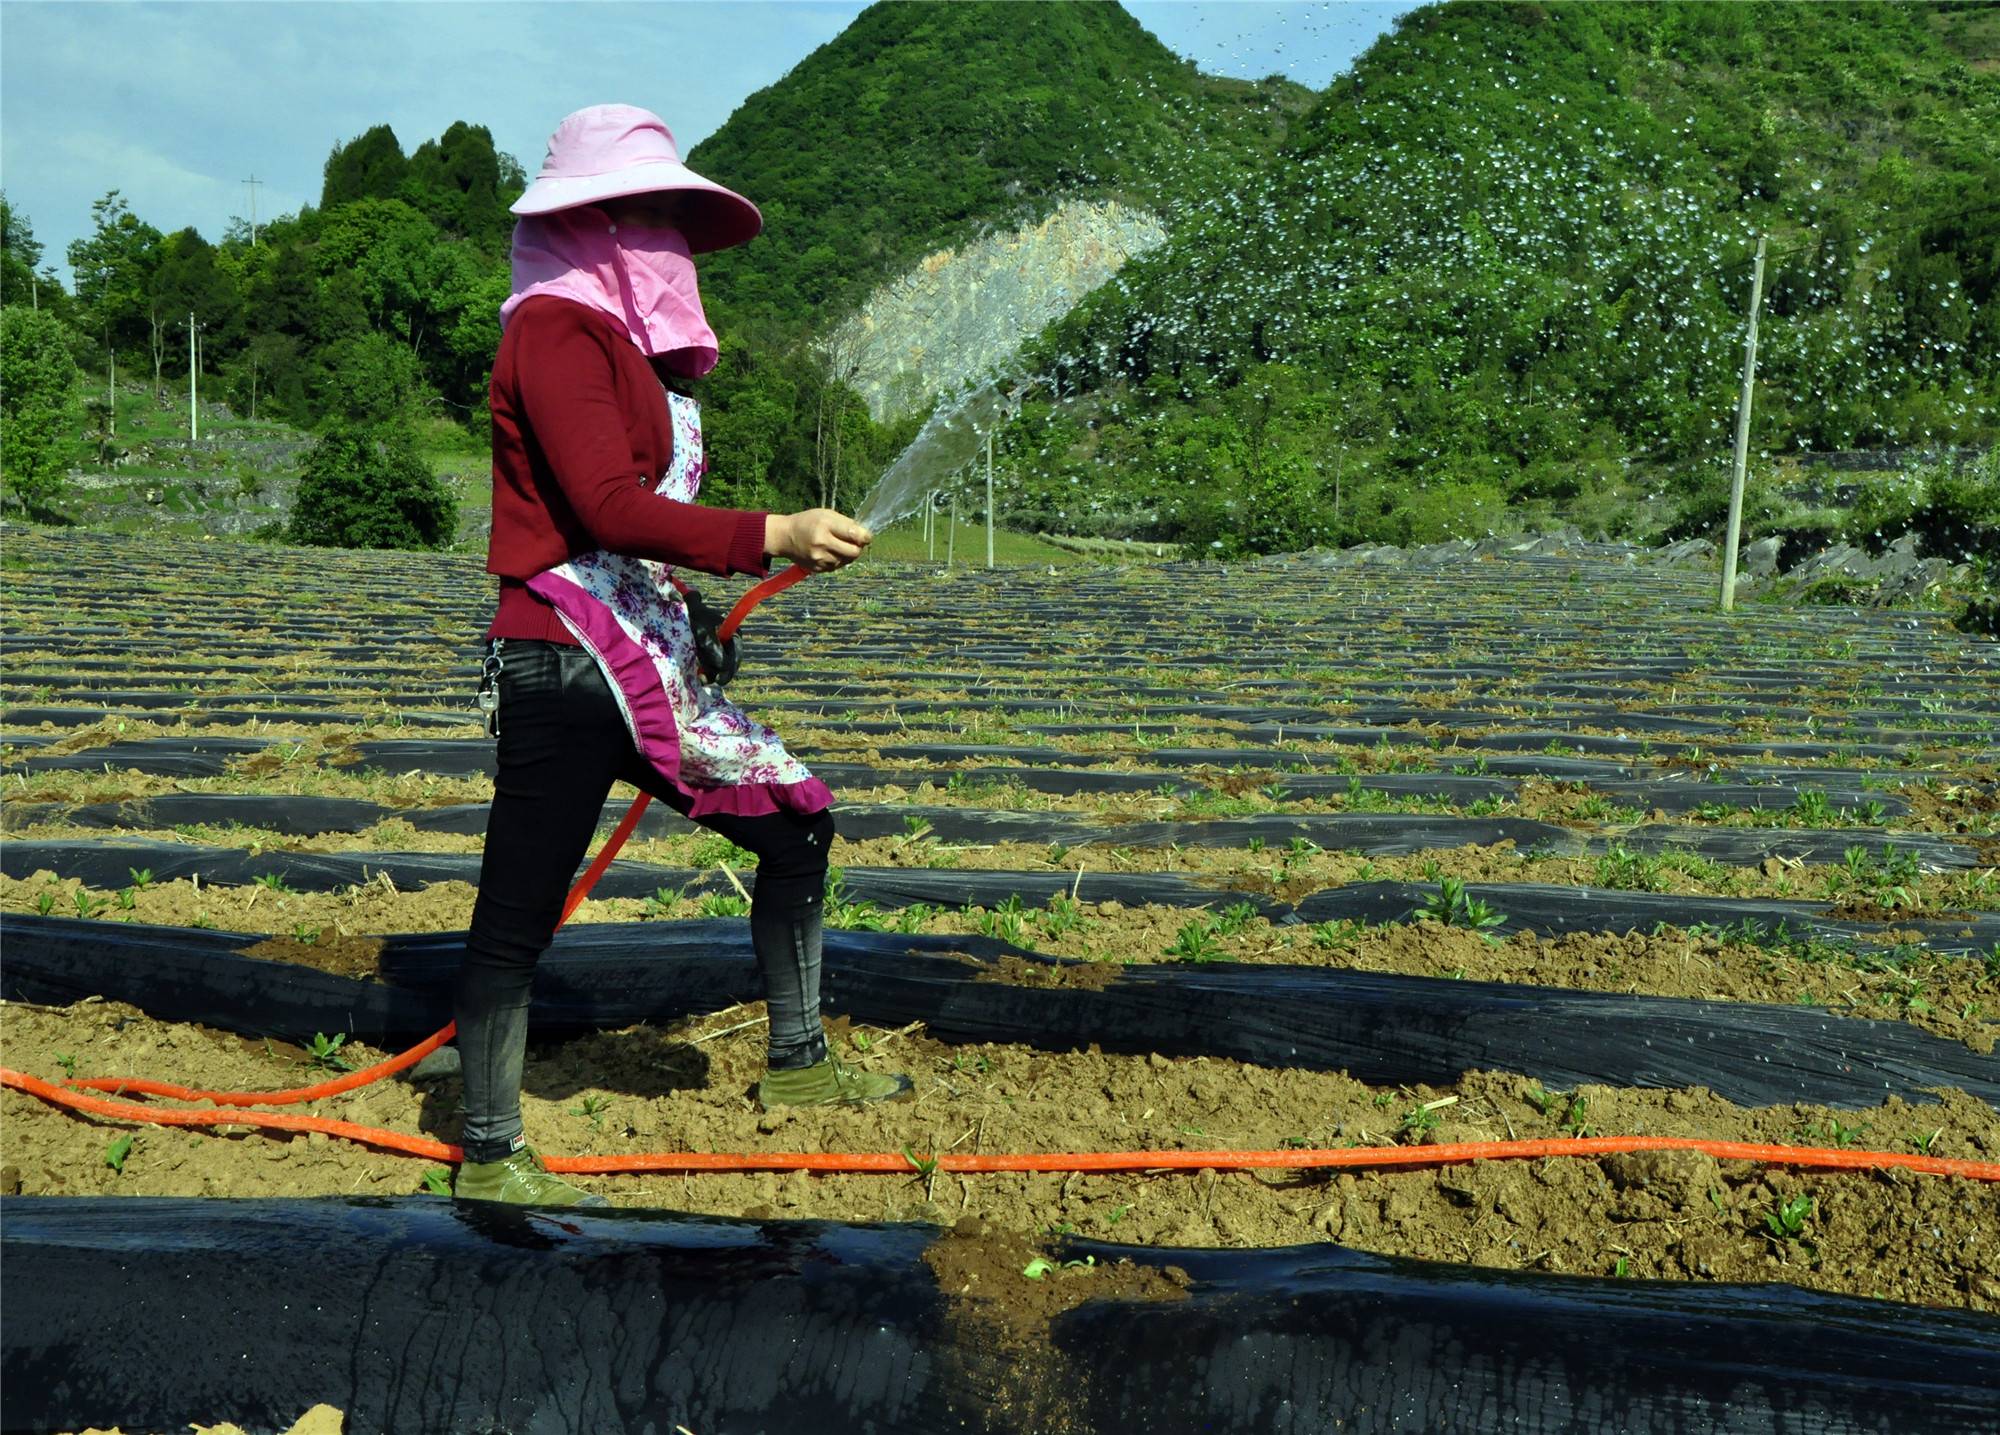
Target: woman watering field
(596, 656)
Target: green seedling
(128, 898)
(723, 904)
(142, 877)
(660, 904)
(1118, 1213)
(925, 1166)
(1037, 1268)
(1542, 1100)
(116, 1152)
(1812, 808)
(1334, 935)
(592, 1108)
(1234, 918)
(1195, 943)
(1574, 1123)
(1419, 1121)
(1924, 1143)
(862, 1040)
(324, 1053)
(916, 829)
(1832, 1130)
(912, 918)
(1063, 915)
(67, 1061)
(1002, 926)
(1621, 1268)
(87, 906)
(715, 851)
(1786, 1221)
(45, 903)
(1453, 908)
(437, 1181)
(275, 882)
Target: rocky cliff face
(960, 311)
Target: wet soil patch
(1081, 976)
(347, 956)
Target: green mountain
(923, 123)
(1506, 261)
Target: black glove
(716, 659)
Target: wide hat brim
(715, 217)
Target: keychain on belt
(488, 701)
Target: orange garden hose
(680, 1162)
(892, 1162)
(777, 583)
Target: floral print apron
(628, 615)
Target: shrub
(1955, 513)
(364, 486)
(39, 414)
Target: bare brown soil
(687, 1087)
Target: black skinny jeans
(563, 743)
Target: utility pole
(951, 533)
(930, 526)
(253, 182)
(1742, 436)
(194, 419)
(989, 499)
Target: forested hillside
(1498, 273)
(1507, 260)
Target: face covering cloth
(640, 275)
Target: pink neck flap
(639, 275)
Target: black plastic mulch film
(159, 1313)
(1382, 1029)
(1542, 908)
(154, 1313)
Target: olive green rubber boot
(831, 1082)
(520, 1180)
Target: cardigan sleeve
(569, 395)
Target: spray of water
(945, 444)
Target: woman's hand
(819, 538)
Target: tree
(369, 379)
(455, 181)
(38, 408)
(114, 269)
(20, 252)
(188, 281)
(368, 167)
(365, 486)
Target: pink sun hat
(609, 151)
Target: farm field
(1367, 850)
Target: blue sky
(175, 104)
